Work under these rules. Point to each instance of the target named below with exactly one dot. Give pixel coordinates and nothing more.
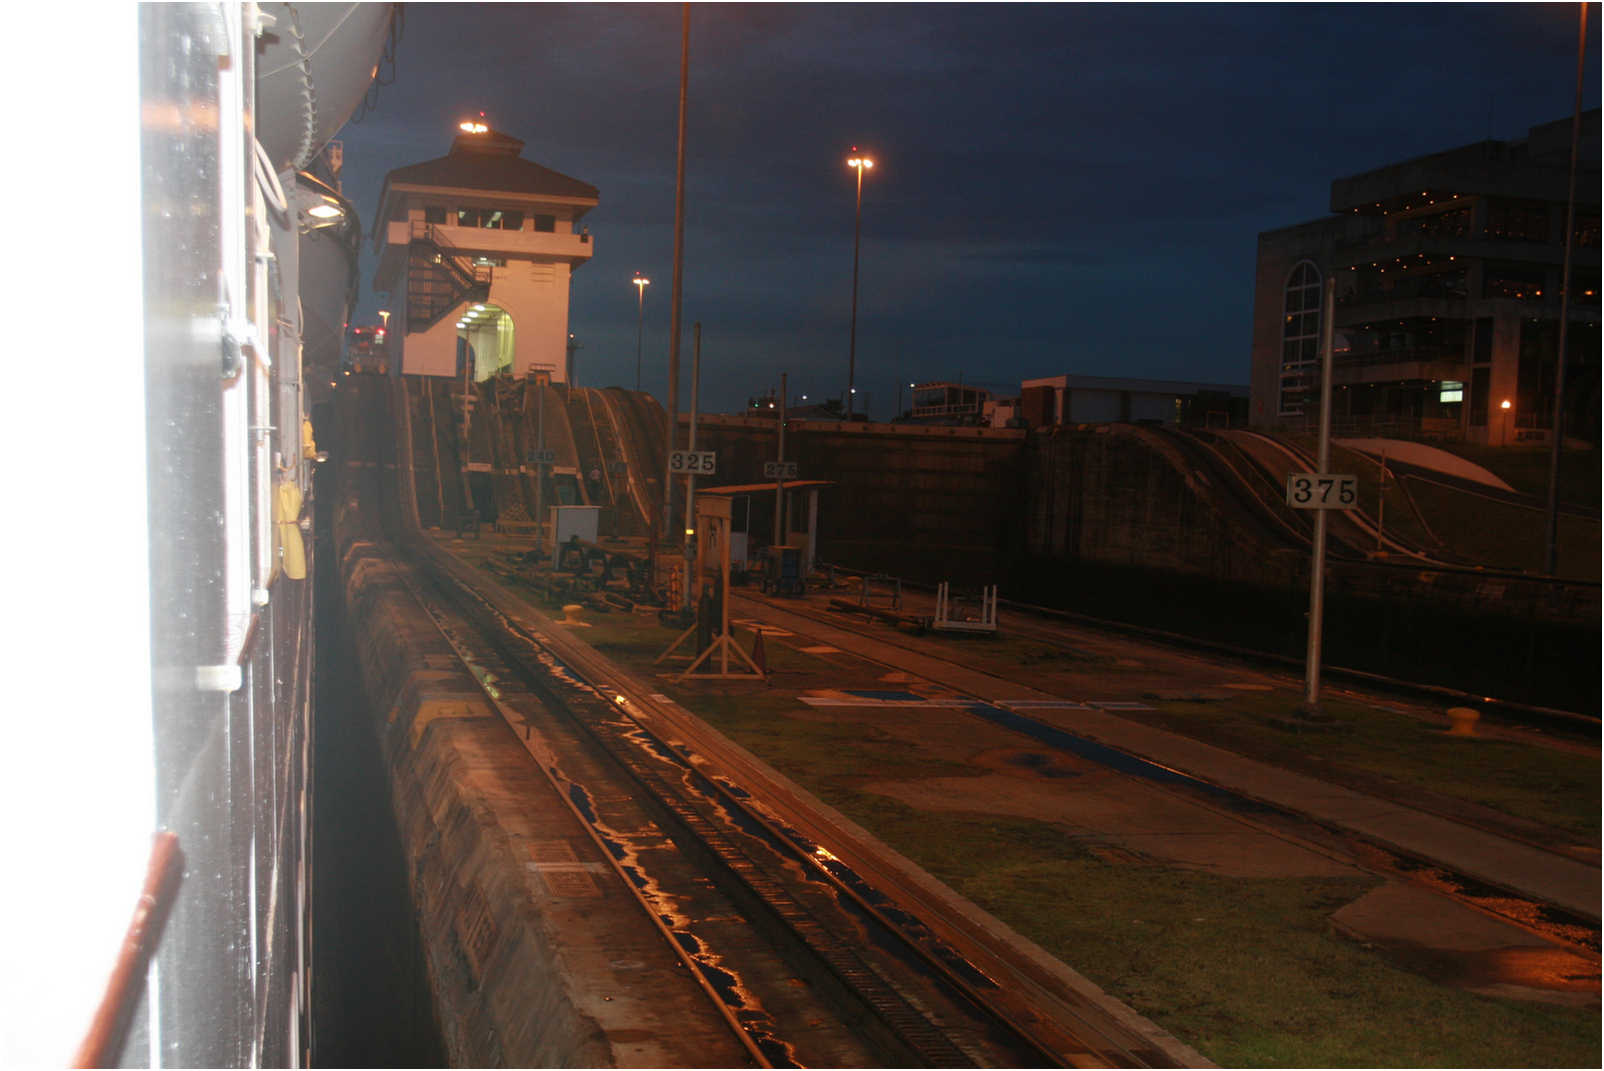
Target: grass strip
(1554, 787)
(1248, 970)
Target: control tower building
(476, 249)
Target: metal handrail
(108, 1030)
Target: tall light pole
(1504, 405)
(679, 263)
(859, 163)
(1551, 562)
(641, 283)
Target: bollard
(571, 615)
(1462, 721)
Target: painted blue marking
(869, 693)
(1113, 758)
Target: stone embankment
(537, 956)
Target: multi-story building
(1447, 272)
(476, 249)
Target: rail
(1522, 713)
(619, 733)
(103, 1043)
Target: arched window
(1300, 339)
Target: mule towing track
(1508, 711)
(905, 978)
(1498, 886)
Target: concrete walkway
(1511, 864)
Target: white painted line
(758, 626)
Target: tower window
(1300, 338)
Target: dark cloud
(1060, 187)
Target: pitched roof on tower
(490, 161)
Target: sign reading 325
(694, 462)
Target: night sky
(1058, 188)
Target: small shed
(800, 521)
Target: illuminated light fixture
(863, 163)
(478, 308)
(461, 324)
(472, 126)
(619, 699)
(324, 211)
(1504, 404)
(690, 531)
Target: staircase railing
(439, 277)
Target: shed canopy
(758, 488)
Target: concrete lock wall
(925, 504)
(460, 784)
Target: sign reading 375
(1310, 490)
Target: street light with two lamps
(860, 163)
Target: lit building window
(1300, 338)
(1450, 391)
(495, 219)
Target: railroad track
(1551, 719)
(750, 903)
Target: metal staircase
(439, 278)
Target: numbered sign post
(780, 470)
(1312, 490)
(1319, 490)
(693, 462)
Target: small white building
(476, 249)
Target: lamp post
(1551, 529)
(1504, 405)
(641, 283)
(859, 163)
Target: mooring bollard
(571, 613)
(1462, 721)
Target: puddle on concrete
(1519, 972)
